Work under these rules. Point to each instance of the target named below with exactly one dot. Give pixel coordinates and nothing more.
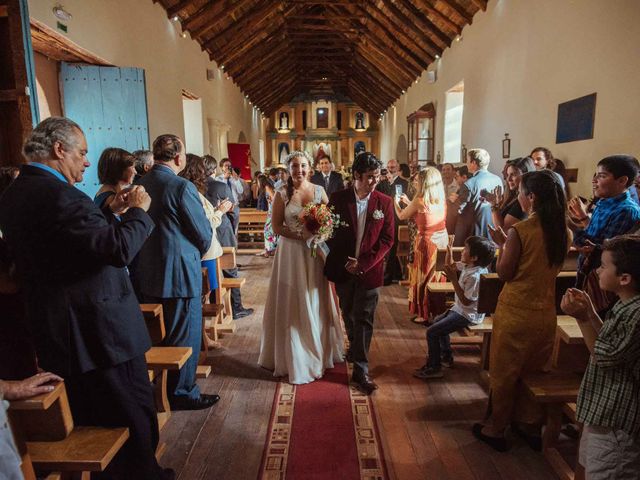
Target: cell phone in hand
(398, 191)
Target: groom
(356, 259)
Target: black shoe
(534, 441)
(364, 383)
(186, 403)
(241, 313)
(447, 362)
(497, 443)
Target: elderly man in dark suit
(217, 192)
(168, 270)
(474, 213)
(86, 321)
(397, 184)
(356, 259)
(325, 176)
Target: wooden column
(15, 108)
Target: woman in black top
(505, 208)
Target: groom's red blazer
(376, 242)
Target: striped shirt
(610, 391)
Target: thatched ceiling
(368, 50)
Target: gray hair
(143, 157)
(39, 144)
(296, 154)
(480, 157)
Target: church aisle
(424, 427)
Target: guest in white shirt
(235, 183)
(449, 179)
(477, 255)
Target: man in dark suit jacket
(218, 191)
(86, 321)
(356, 259)
(325, 176)
(474, 214)
(168, 270)
(393, 270)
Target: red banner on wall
(240, 156)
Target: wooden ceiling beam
(481, 4)
(270, 45)
(232, 50)
(402, 65)
(396, 18)
(381, 87)
(245, 71)
(460, 11)
(178, 7)
(213, 18)
(364, 100)
(253, 18)
(424, 23)
(399, 39)
(266, 71)
(430, 10)
(278, 93)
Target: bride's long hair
(288, 160)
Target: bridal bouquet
(320, 220)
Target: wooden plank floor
(425, 427)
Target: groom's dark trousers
(358, 294)
(358, 305)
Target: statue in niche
(284, 121)
(360, 121)
(283, 151)
(321, 150)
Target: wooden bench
(251, 226)
(403, 248)
(160, 360)
(45, 426)
(557, 391)
(569, 350)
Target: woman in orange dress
(428, 211)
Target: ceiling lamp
(61, 14)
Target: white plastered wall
(518, 61)
(137, 33)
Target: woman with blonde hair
(428, 211)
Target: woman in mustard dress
(524, 323)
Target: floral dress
(270, 238)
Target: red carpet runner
(324, 430)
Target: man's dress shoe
(364, 384)
(241, 313)
(186, 403)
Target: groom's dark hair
(365, 162)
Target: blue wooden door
(110, 105)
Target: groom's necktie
(326, 183)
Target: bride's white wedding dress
(301, 331)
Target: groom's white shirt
(361, 211)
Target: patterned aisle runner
(323, 430)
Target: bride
(301, 333)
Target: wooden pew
(160, 360)
(226, 323)
(45, 425)
(569, 350)
(251, 226)
(402, 250)
(556, 391)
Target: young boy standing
(477, 255)
(609, 399)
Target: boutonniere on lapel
(377, 215)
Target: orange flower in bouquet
(321, 222)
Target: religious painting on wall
(576, 119)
